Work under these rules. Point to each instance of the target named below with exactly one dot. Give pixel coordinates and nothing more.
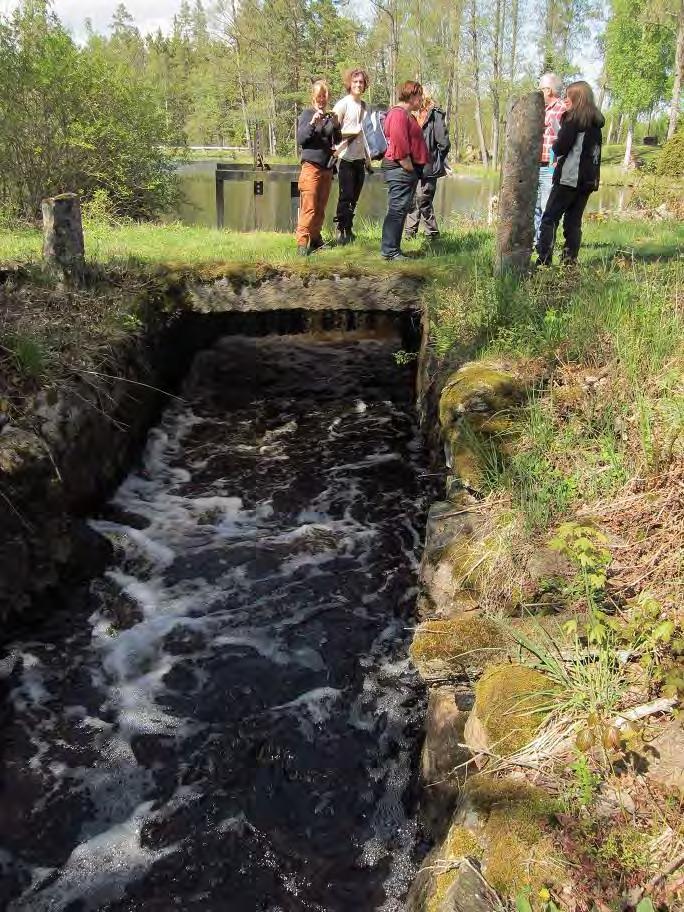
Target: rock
(546, 573)
(666, 757)
(442, 768)
(510, 703)
(470, 892)
(476, 413)
(444, 648)
(509, 819)
(454, 531)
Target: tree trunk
(514, 38)
(63, 233)
(394, 57)
(496, 82)
(602, 91)
(476, 83)
(628, 145)
(520, 177)
(609, 136)
(232, 32)
(678, 74)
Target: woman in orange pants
(317, 132)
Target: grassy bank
(585, 480)
(171, 245)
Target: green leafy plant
(586, 547)
(402, 357)
(585, 782)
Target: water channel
(460, 195)
(230, 722)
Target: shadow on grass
(455, 244)
(649, 253)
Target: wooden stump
(63, 246)
(519, 181)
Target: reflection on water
(457, 196)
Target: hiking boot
(319, 244)
(396, 256)
(302, 250)
(342, 237)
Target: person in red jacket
(406, 156)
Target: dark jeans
(422, 207)
(568, 204)
(351, 175)
(400, 187)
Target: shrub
(75, 119)
(671, 159)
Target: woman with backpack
(577, 152)
(432, 121)
(351, 152)
(405, 158)
(317, 132)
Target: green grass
(182, 246)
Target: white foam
(97, 871)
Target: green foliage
(639, 54)
(670, 162)
(585, 546)
(405, 357)
(28, 353)
(76, 119)
(585, 783)
(544, 903)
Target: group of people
(415, 149)
(417, 145)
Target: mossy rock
(446, 647)
(19, 448)
(518, 850)
(477, 416)
(480, 387)
(456, 555)
(510, 704)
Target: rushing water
(231, 722)
(458, 195)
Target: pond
(457, 196)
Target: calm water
(230, 724)
(459, 195)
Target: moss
(518, 850)
(509, 702)
(453, 643)
(459, 843)
(468, 557)
(475, 413)
(490, 386)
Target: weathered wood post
(519, 181)
(63, 245)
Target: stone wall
(488, 832)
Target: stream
(228, 721)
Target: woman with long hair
(317, 132)
(577, 151)
(351, 152)
(432, 120)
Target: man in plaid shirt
(550, 85)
